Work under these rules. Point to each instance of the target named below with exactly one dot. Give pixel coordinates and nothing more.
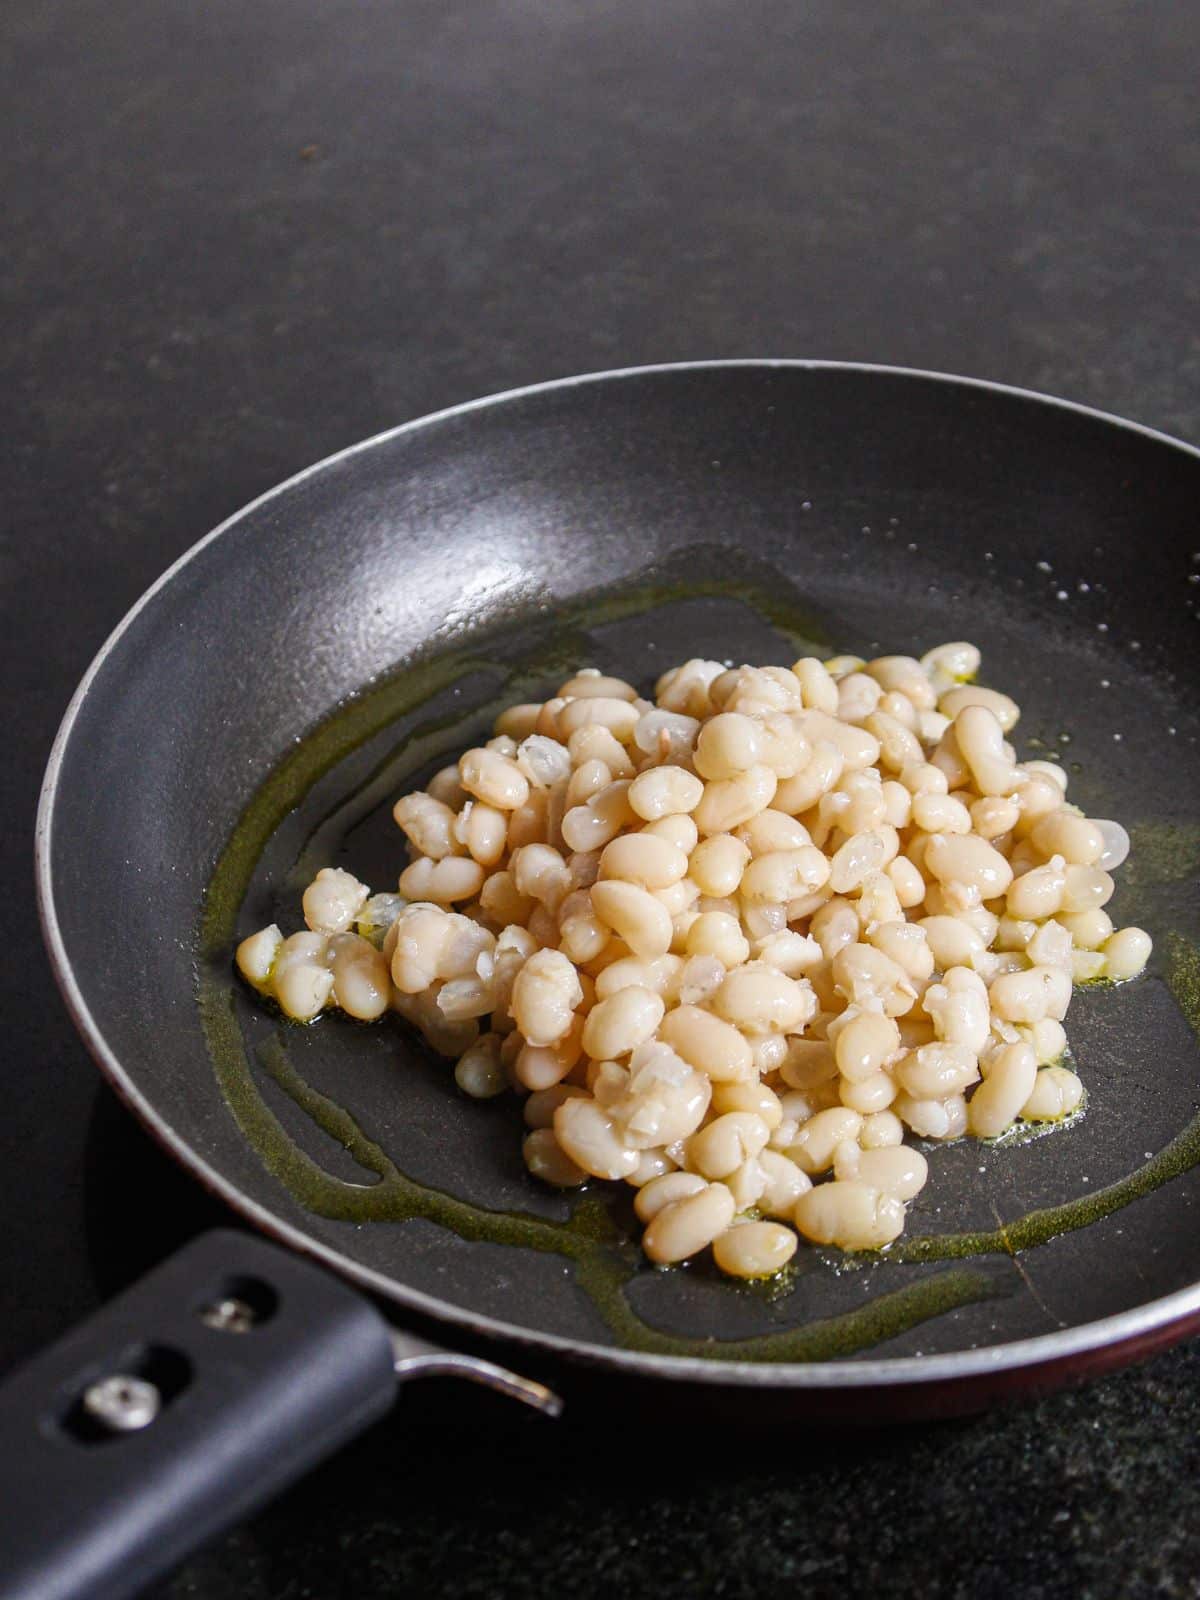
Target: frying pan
(254, 716)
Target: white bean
(256, 955)
(948, 664)
(1038, 893)
(907, 882)
(723, 1144)
(728, 744)
(1056, 1093)
(1126, 953)
(333, 899)
(757, 998)
(1029, 996)
(1085, 888)
(969, 862)
(665, 791)
(361, 980)
(814, 1145)
(954, 701)
(618, 716)
(676, 829)
(544, 997)
(543, 1066)
(997, 1102)
(540, 1106)
(686, 1226)
(906, 944)
(980, 740)
(928, 1119)
(904, 675)
(868, 1095)
(940, 813)
(755, 1097)
(783, 875)
(728, 802)
(651, 1164)
(808, 1063)
(959, 1008)
(851, 1215)
(717, 864)
(661, 1192)
(709, 1044)
(864, 1044)
(664, 1100)
(882, 1130)
(547, 1160)
(645, 859)
(493, 778)
(934, 1071)
(540, 872)
(589, 1138)
(1048, 1039)
(898, 1170)
(784, 1184)
(478, 1071)
(635, 915)
(823, 769)
(773, 830)
(660, 974)
(1088, 929)
(302, 987)
(817, 689)
(718, 934)
(861, 855)
(453, 878)
(746, 1184)
(616, 1026)
(754, 1249)
(1064, 833)
(1116, 844)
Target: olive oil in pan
(604, 1260)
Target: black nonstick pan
(346, 634)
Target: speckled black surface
(239, 238)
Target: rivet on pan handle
(186, 1403)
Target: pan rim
(1151, 1321)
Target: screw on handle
(122, 1404)
(229, 1315)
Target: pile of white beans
(735, 944)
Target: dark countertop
(239, 238)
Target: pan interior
(356, 1135)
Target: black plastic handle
(178, 1408)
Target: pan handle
(184, 1404)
